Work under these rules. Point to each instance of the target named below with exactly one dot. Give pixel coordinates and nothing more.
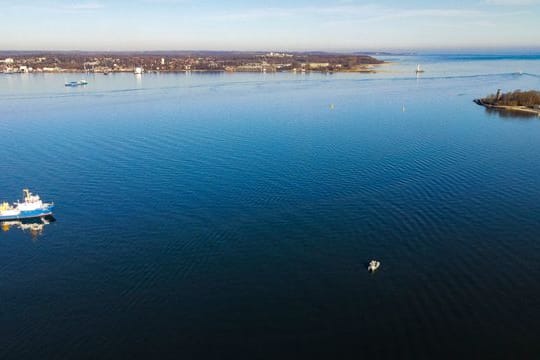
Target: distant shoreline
(251, 62)
(355, 71)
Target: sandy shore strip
(508, 108)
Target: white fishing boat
(31, 207)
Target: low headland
(182, 61)
(521, 101)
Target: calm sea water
(233, 215)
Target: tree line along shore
(518, 100)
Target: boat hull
(38, 213)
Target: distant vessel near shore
(76, 83)
(31, 207)
(419, 69)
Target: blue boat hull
(29, 214)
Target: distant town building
(316, 65)
(278, 55)
(250, 67)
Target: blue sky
(268, 25)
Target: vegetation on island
(525, 102)
(530, 98)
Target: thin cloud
(512, 2)
(56, 7)
(358, 13)
(84, 6)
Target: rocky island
(522, 101)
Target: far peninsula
(184, 61)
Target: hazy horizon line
(532, 48)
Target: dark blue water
(233, 215)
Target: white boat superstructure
(31, 202)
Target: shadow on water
(511, 115)
(34, 227)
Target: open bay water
(233, 215)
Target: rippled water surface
(220, 215)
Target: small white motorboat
(373, 265)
